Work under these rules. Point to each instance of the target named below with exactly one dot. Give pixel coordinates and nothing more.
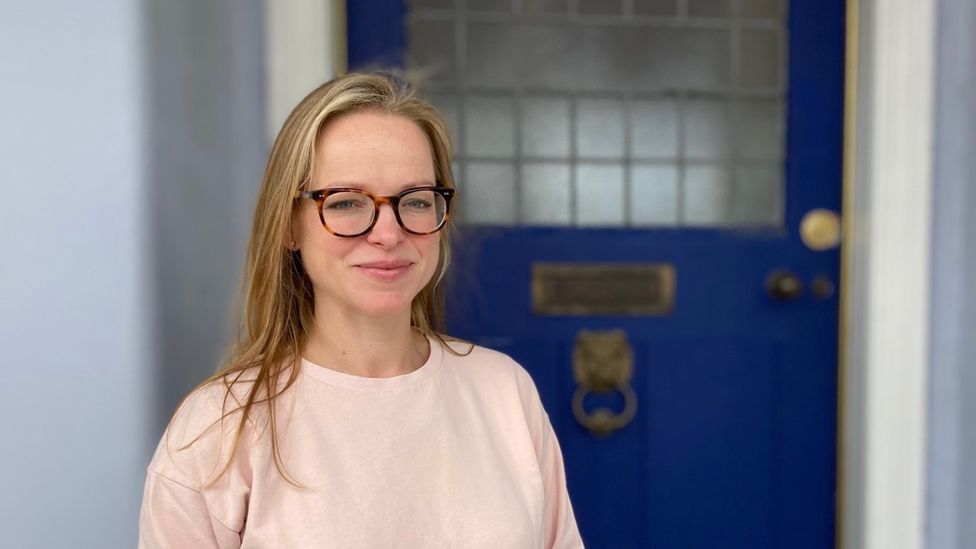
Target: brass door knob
(820, 229)
(783, 286)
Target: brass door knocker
(603, 362)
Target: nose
(386, 232)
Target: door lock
(783, 286)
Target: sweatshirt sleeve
(176, 516)
(558, 522)
(183, 504)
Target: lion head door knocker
(603, 363)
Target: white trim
(304, 47)
(890, 298)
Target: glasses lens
(348, 213)
(422, 211)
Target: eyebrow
(361, 186)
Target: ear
(291, 244)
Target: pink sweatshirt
(458, 454)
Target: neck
(367, 347)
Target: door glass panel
(647, 113)
(489, 128)
(706, 129)
(767, 9)
(761, 136)
(654, 129)
(654, 195)
(545, 6)
(600, 192)
(545, 127)
(489, 193)
(757, 198)
(432, 47)
(430, 4)
(707, 193)
(447, 104)
(492, 48)
(600, 128)
(708, 8)
(762, 49)
(655, 7)
(546, 194)
(604, 7)
(570, 57)
(489, 5)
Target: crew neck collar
(362, 383)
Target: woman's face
(377, 274)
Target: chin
(385, 308)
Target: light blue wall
(132, 145)
(951, 502)
(74, 334)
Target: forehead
(372, 150)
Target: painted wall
(207, 150)
(74, 332)
(952, 410)
(132, 145)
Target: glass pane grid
(557, 121)
(750, 14)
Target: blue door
(676, 227)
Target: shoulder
(195, 434)
(498, 379)
(491, 369)
(206, 426)
(201, 408)
(483, 360)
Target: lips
(386, 271)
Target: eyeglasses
(353, 212)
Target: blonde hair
(278, 305)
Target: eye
(343, 205)
(346, 202)
(417, 203)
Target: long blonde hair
(277, 313)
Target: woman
(342, 419)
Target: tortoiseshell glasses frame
(322, 195)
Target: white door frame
(305, 46)
(885, 311)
